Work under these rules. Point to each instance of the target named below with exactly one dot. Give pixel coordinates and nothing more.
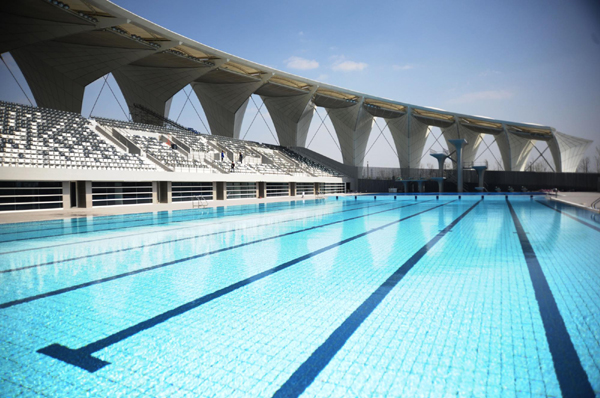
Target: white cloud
(301, 63)
(322, 77)
(482, 96)
(301, 33)
(348, 66)
(403, 67)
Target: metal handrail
(201, 202)
(595, 203)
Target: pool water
(366, 297)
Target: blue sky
(533, 61)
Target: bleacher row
(47, 138)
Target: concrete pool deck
(579, 199)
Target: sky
(525, 61)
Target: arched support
(291, 117)
(410, 136)
(224, 105)
(567, 151)
(153, 87)
(456, 132)
(352, 127)
(58, 71)
(514, 150)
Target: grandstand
(157, 164)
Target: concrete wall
(583, 182)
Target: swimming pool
(366, 297)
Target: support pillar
(262, 189)
(292, 189)
(405, 183)
(459, 144)
(480, 172)
(221, 190)
(66, 194)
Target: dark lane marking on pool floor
(310, 369)
(150, 224)
(568, 215)
(155, 216)
(82, 357)
(164, 242)
(196, 256)
(571, 376)
(141, 233)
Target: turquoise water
(329, 298)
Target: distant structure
(62, 46)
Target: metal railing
(199, 202)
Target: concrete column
(405, 183)
(66, 194)
(440, 181)
(88, 195)
(441, 158)
(352, 126)
(459, 144)
(317, 187)
(292, 189)
(221, 190)
(480, 172)
(214, 190)
(420, 186)
(154, 192)
(262, 189)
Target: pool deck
(57, 214)
(579, 199)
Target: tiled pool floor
(329, 298)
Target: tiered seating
(194, 141)
(313, 167)
(163, 153)
(36, 137)
(233, 145)
(135, 126)
(46, 138)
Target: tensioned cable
(252, 122)
(114, 95)
(488, 148)
(374, 142)
(543, 157)
(323, 120)
(183, 107)
(265, 120)
(434, 142)
(384, 137)
(14, 77)
(318, 128)
(98, 97)
(197, 113)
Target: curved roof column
(291, 116)
(224, 97)
(352, 126)
(57, 71)
(410, 136)
(154, 80)
(514, 150)
(567, 151)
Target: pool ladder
(199, 202)
(595, 204)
